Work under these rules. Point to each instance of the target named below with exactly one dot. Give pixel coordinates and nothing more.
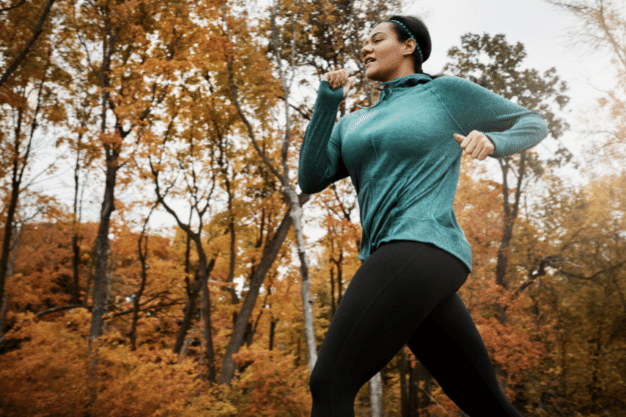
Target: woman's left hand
(476, 144)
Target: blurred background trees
(192, 114)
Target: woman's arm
(511, 127)
(320, 154)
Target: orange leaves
(42, 269)
(166, 96)
(47, 374)
(275, 386)
(510, 347)
(37, 371)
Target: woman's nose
(365, 49)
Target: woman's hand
(339, 78)
(476, 144)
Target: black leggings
(405, 293)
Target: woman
(403, 155)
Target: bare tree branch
(29, 45)
(60, 308)
(6, 9)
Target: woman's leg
(448, 344)
(388, 298)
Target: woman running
(403, 156)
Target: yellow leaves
(510, 347)
(170, 100)
(142, 379)
(276, 386)
(156, 167)
(33, 376)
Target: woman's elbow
(536, 130)
(306, 184)
(541, 129)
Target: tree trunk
(503, 260)
(295, 211)
(413, 392)
(75, 234)
(36, 32)
(102, 249)
(189, 309)
(233, 242)
(16, 182)
(187, 313)
(510, 215)
(295, 205)
(333, 307)
(223, 163)
(424, 384)
(101, 245)
(273, 324)
(376, 395)
(208, 334)
(340, 279)
(143, 254)
(241, 323)
(403, 367)
(8, 229)
(75, 269)
(339, 264)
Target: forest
(201, 281)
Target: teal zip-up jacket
(402, 157)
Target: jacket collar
(388, 87)
(410, 80)
(406, 81)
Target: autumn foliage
(164, 129)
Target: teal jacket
(402, 158)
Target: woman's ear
(409, 46)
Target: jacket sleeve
(320, 155)
(511, 127)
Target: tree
(322, 36)
(18, 20)
(132, 50)
(602, 29)
(30, 104)
(578, 306)
(129, 86)
(542, 93)
(295, 211)
(199, 183)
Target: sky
(544, 29)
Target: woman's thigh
(448, 344)
(387, 299)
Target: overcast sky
(545, 31)
(542, 28)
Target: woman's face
(383, 55)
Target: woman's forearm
(320, 161)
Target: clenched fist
(339, 78)
(476, 144)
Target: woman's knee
(319, 379)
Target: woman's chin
(371, 75)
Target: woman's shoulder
(450, 87)
(452, 82)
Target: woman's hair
(419, 31)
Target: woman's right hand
(339, 78)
